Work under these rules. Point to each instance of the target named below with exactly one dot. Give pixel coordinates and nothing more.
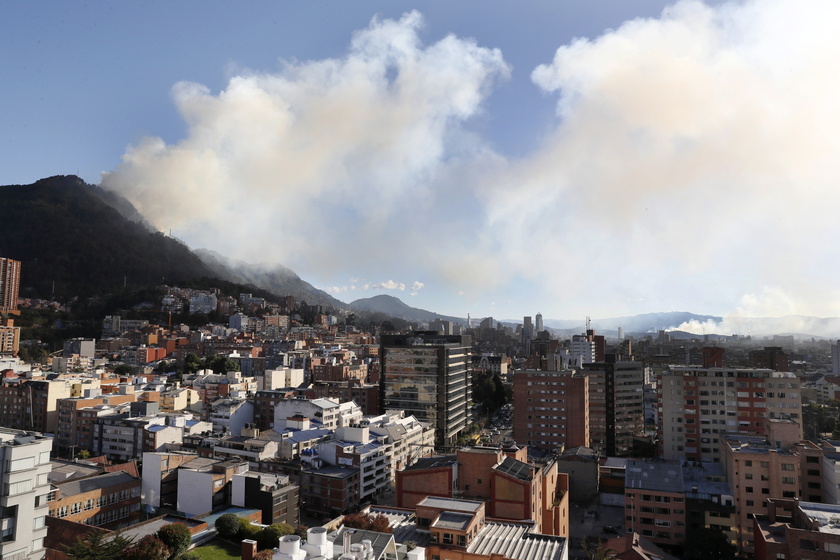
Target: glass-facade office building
(426, 374)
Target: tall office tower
(9, 284)
(620, 333)
(835, 358)
(25, 468)
(527, 334)
(697, 404)
(616, 405)
(427, 374)
(540, 326)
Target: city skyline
(598, 159)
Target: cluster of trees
(169, 543)
(820, 419)
(233, 527)
(219, 364)
(489, 391)
(367, 522)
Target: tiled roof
(515, 541)
(106, 480)
(433, 462)
(516, 469)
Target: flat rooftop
(451, 504)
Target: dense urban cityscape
(300, 431)
(471, 280)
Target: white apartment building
(582, 349)
(24, 469)
(280, 379)
(354, 446)
(328, 413)
(410, 439)
(231, 415)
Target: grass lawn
(217, 550)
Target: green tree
(594, 551)
(177, 537)
(123, 369)
(84, 454)
(246, 530)
(98, 545)
(221, 364)
(192, 363)
(148, 548)
(269, 536)
(227, 525)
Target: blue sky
(574, 158)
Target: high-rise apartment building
(775, 464)
(9, 337)
(551, 409)
(697, 404)
(9, 285)
(616, 405)
(25, 469)
(427, 374)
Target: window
(38, 523)
(789, 467)
(447, 538)
(21, 464)
(462, 540)
(14, 488)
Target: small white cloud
(417, 285)
(386, 285)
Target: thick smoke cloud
(691, 163)
(325, 163)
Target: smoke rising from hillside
(692, 160)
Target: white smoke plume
(301, 165)
(692, 160)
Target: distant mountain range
(76, 239)
(394, 307)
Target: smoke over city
(691, 163)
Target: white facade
(583, 348)
(327, 412)
(24, 468)
(196, 490)
(231, 415)
(280, 379)
(831, 477)
(410, 439)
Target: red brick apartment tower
(9, 285)
(551, 409)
